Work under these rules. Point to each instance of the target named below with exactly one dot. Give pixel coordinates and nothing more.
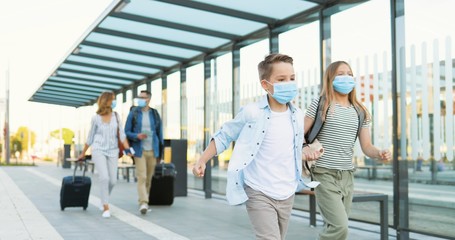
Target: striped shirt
(102, 136)
(338, 135)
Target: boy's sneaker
(144, 208)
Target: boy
(266, 164)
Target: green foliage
(65, 133)
(15, 144)
(23, 135)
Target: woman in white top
(102, 138)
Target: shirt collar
(263, 103)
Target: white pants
(107, 174)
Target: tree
(23, 135)
(65, 133)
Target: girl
(335, 170)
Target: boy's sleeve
(229, 132)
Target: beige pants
(334, 198)
(269, 217)
(145, 168)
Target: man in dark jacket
(144, 131)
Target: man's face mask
(140, 102)
(344, 84)
(113, 104)
(283, 92)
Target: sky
(33, 41)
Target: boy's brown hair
(265, 66)
(104, 103)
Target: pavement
(29, 209)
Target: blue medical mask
(344, 84)
(113, 104)
(284, 92)
(140, 102)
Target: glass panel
(85, 83)
(368, 54)
(221, 109)
(142, 87)
(195, 95)
(173, 106)
(192, 17)
(430, 115)
(162, 32)
(95, 70)
(91, 77)
(120, 66)
(127, 56)
(157, 101)
(287, 7)
(302, 44)
(250, 56)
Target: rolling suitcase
(162, 189)
(75, 190)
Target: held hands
(385, 155)
(312, 152)
(199, 169)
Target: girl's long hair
(329, 93)
(104, 103)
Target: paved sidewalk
(29, 209)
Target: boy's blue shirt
(248, 129)
(132, 132)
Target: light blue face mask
(140, 102)
(344, 84)
(113, 104)
(284, 92)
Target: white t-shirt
(272, 172)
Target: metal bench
(358, 197)
(125, 168)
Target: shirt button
(237, 170)
(249, 126)
(244, 164)
(296, 135)
(268, 117)
(263, 131)
(257, 143)
(251, 154)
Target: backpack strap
(361, 115)
(318, 123)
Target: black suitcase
(75, 190)
(162, 189)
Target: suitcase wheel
(85, 208)
(63, 209)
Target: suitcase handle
(85, 168)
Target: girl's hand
(385, 155)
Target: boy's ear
(264, 84)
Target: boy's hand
(141, 136)
(198, 169)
